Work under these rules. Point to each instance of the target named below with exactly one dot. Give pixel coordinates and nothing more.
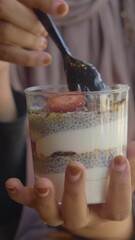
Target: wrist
(105, 230)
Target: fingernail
(119, 164)
(43, 191)
(43, 32)
(11, 189)
(74, 173)
(60, 8)
(45, 58)
(43, 43)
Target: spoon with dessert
(80, 75)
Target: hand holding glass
(89, 127)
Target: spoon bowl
(80, 75)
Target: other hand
(110, 220)
(22, 36)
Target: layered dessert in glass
(89, 127)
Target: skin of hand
(8, 111)
(110, 220)
(22, 36)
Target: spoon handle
(53, 31)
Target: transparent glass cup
(89, 127)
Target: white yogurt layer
(96, 184)
(106, 136)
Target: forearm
(8, 110)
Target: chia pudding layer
(59, 138)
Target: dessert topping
(68, 102)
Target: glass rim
(46, 89)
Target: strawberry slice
(67, 102)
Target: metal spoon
(80, 75)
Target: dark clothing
(12, 161)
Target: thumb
(131, 158)
(119, 188)
(55, 7)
